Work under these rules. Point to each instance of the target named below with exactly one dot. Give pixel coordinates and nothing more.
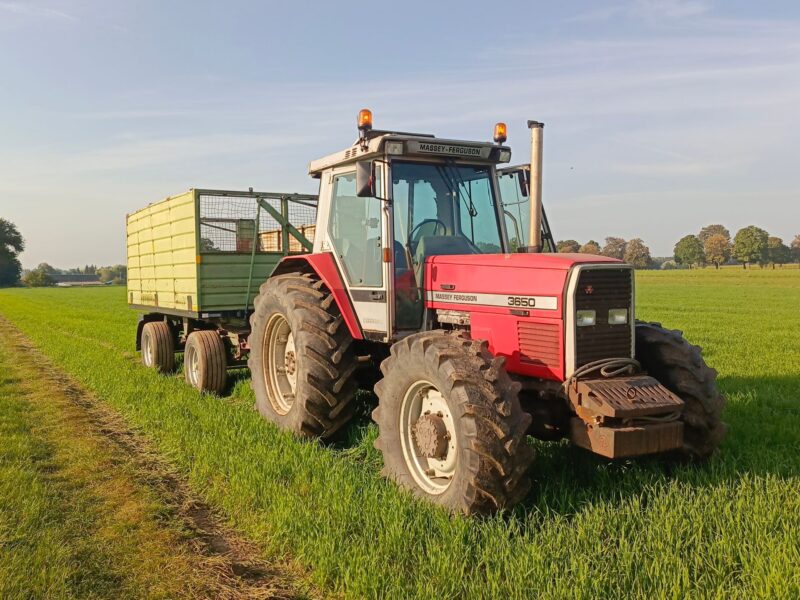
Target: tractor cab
(393, 200)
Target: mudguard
(324, 266)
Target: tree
(115, 274)
(709, 230)
(778, 252)
(717, 249)
(689, 251)
(567, 246)
(750, 245)
(637, 254)
(38, 278)
(46, 268)
(11, 244)
(796, 248)
(590, 247)
(614, 248)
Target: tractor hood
(491, 282)
(562, 261)
(518, 303)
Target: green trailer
(195, 263)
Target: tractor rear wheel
(450, 422)
(205, 361)
(158, 346)
(301, 356)
(679, 366)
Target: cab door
(514, 186)
(355, 231)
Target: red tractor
(433, 263)
(484, 336)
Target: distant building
(75, 279)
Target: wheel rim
(193, 366)
(280, 366)
(147, 351)
(428, 437)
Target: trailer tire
(679, 366)
(158, 346)
(301, 359)
(205, 361)
(451, 428)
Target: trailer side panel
(162, 254)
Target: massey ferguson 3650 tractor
(437, 265)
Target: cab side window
(355, 231)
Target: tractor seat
(435, 245)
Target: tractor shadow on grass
(763, 439)
(763, 417)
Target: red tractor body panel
(514, 301)
(324, 266)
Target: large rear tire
(451, 426)
(158, 346)
(205, 361)
(679, 366)
(301, 356)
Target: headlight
(617, 316)
(585, 318)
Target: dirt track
(223, 564)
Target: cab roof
(373, 145)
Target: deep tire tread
(324, 397)
(494, 473)
(678, 365)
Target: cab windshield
(438, 209)
(451, 207)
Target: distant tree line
(633, 252)
(751, 245)
(711, 246)
(44, 274)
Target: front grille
(601, 290)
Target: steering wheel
(413, 239)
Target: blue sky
(661, 116)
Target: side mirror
(365, 179)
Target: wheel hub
(431, 436)
(280, 365)
(428, 437)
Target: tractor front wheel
(450, 422)
(679, 366)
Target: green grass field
(589, 529)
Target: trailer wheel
(158, 346)
(301, 356)
(666, 355)
(205, 361)
(451, 425)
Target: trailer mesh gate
(234, 222)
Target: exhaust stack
(535, 186)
